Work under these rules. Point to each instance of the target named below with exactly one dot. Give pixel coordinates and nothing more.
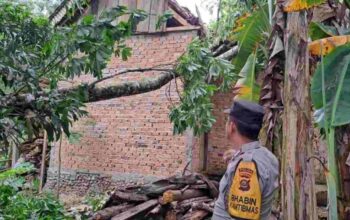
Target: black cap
(248, 113)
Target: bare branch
(129, 71)
(228, 55)
(130, 87)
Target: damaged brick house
(130, 139)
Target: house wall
(217, 142)
(127, 139)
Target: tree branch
(228, 55)
(127, 88)
(128, 71)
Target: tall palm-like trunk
(298, 195)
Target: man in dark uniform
(248, 186)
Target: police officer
(248, 186)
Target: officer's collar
(250, 146)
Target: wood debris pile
(31, 151)
(177, 197)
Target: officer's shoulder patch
(244, 196)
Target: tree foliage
(19, 202)
(35, 56)
(203, 75)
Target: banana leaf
(330, 96)
(326, 45)
(252, 30)
(298, 5)
(246, 87)
(337, 81)
(317, 31)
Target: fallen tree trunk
(109, 212)
(99, 93)
(178, 195)
(136, 210)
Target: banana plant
(251, 31)
(331, 99)
(246, 87)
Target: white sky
(205, 13)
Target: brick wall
(217, 142)
(128, 138)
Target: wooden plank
(130, 4)
(180, 19)
(182, 28)
(157, 9)
(136, 210)
(112, 3)
(146, 6)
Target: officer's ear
(231, 127)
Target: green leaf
(254, 31)
(18, 170)
(126, 53)
(88, 19)
(248, 89)
(337, 91)
(347, 3)
(163, 19)
(318, 31)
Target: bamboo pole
(43, 164)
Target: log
(156, 210)
(177, 195)
(202, 206)
(136, 210)
(213, 190)
(201, 186)
(129, 196)
(159, 191)
(109, 212)
(195, 215)
(186, 204)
